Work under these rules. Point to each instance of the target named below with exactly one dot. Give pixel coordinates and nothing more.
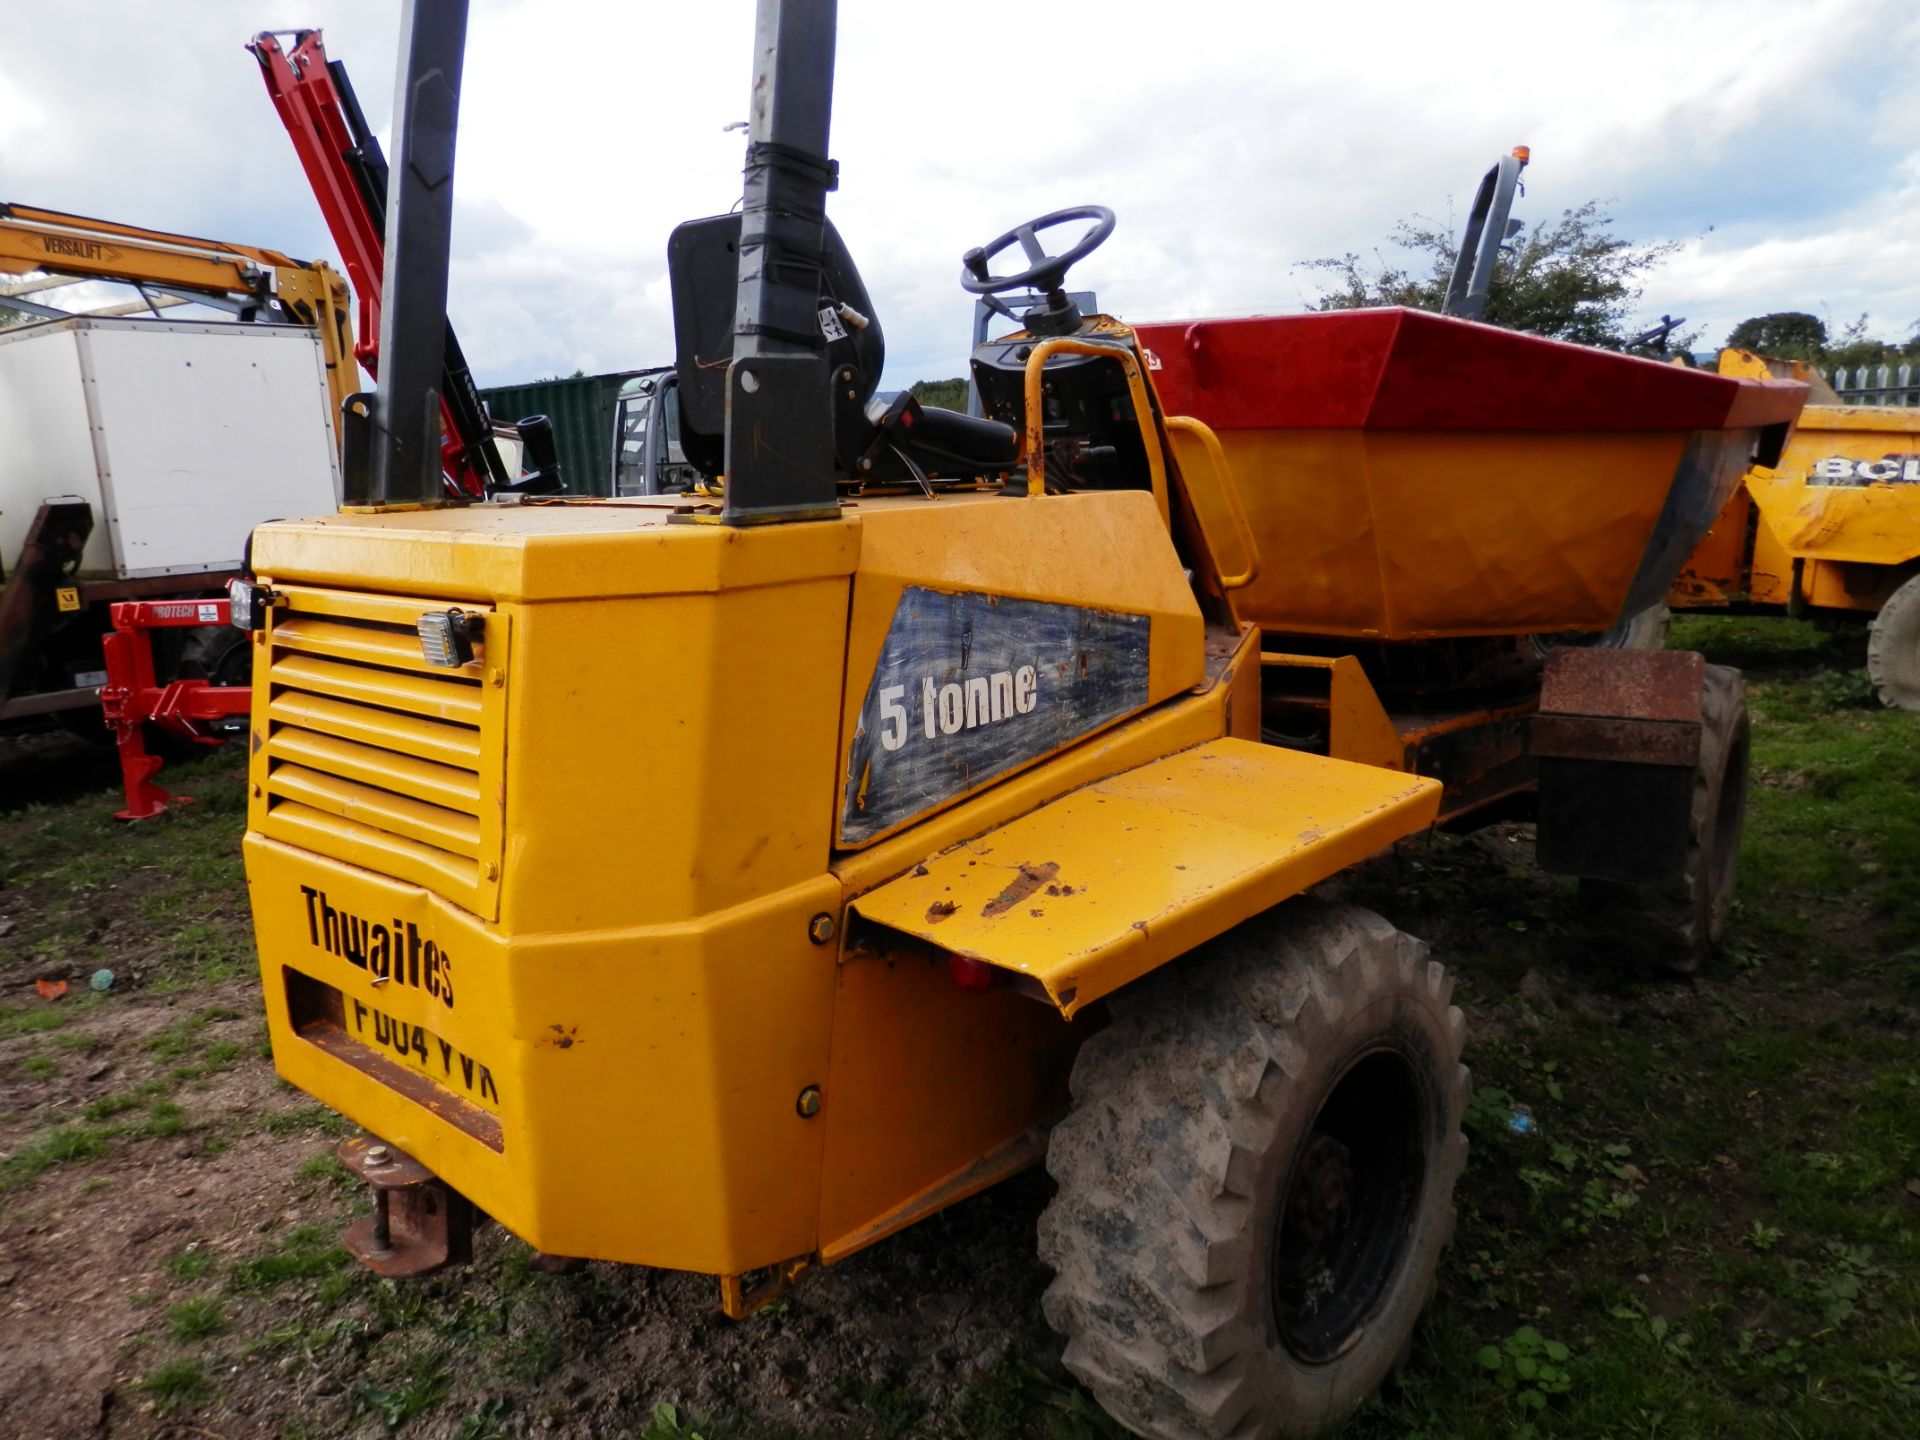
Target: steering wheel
(1044, 271)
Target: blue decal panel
(971, 686)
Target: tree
(941, 394)
(1784, 335)
(1571, 279)
(1796, 335)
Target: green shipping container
(582, 414)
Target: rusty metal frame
(1616, 743)
(419, 1225)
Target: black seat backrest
(703, 265)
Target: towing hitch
(420, 1224)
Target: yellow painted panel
(1714, 573)
(439, 698)
(577, 549)
(1114, 879)
(927, 1078)
(645, 1079)
(406, 734)
(1105, 551)
(1864, 524)
(412, 819)
(396, 649)
(671, 755)
(370, 847)
(441, 784)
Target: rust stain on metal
(480, 1124)
(940, 910)
(419, 1225)
(1620, 705)
(1026, 880)
(1627, 684)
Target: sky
(1776, 143)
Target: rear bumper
(620, 1095)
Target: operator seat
(871, 441)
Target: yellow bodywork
(1847, 535)
(575, 927)
(1083, 927)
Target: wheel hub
(1352, 1200)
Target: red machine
(133, 698)
(348, 173)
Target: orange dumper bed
(1410, 476)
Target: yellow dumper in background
(1833, 529)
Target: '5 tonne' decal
(970, 686)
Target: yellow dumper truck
(1833, 529)
(1005, 749)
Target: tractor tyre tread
(1159, 1235)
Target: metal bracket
(741, 1295)
(1616, 741)
(419, 1225)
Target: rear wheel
(1893, 648)
(1256, 1178)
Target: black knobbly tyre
(1256, 1178)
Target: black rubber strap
(805, 164)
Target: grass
(59, 1146)
(189, 1264)
(199, 1318)
(308, 1252)
(176, 1384)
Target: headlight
(447, 636)
(248, 604)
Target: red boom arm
(346, 170)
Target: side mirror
(539, 459)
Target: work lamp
(447, 636)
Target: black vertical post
(779, 438)
(403, 459)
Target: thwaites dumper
(970, 850)
(1832, 529)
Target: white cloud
(1234, 139)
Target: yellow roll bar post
(1142, 410)
(1222, 473)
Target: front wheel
(1256, 1178)
(1893, 649)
